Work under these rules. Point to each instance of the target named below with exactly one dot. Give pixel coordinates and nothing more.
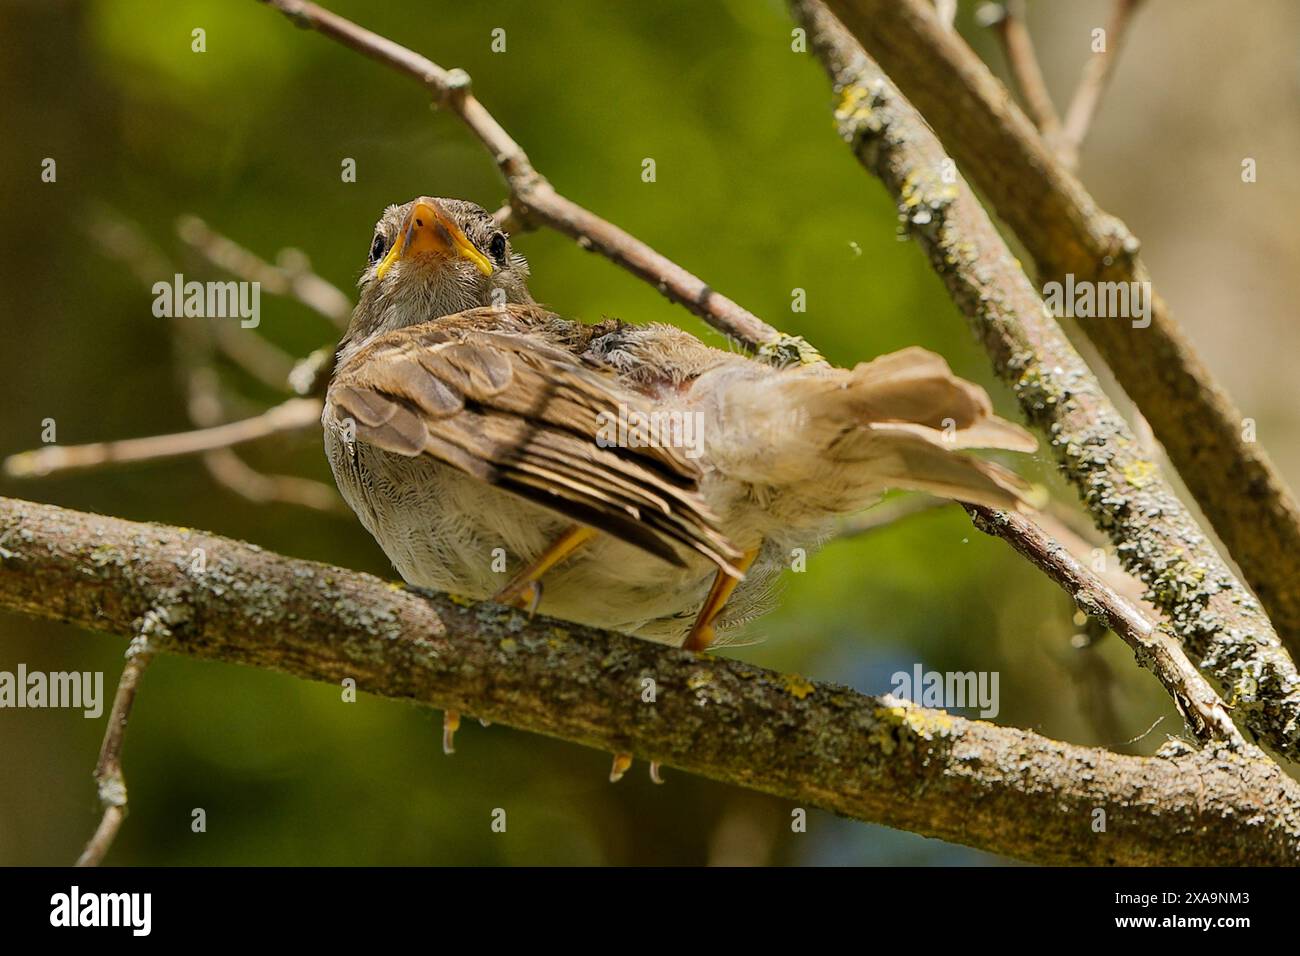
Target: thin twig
(124, 241)
(1155, 649)
(109, 778)
(292, 277)
(207, 410)
(534, 199)
(296, 414)
(946, 11)
(233, 473)
(1008, 20)
(1096, 74)
(265, 361)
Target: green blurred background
(754, 193)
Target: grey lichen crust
(1215, 617)
(877, 759)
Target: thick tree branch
(1219, 623)
(1232, 479)
(878, 759)
(533, 199)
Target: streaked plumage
(466, 441)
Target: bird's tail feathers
(900, 421)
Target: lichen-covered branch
(1155, 649)
(996, 146)
(1216, 618)
(1001, 789)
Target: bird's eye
(377, 248)
(497, 246)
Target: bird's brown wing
(516, 412)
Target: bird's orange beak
(428, 230)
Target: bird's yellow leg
(701, 635)
(525, 589)
(622, 761)
(450, 724)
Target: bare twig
(229, 470)
(109, 778)
(946, 11)
(123, 241)
(265, 361)
(1220, 624)
(296, 414)
(1096, 74)
(1155, 649)
(1234, 483)
(1008, 19)
(532, 198)
(292, 277)
(876, 758)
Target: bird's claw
(622, 761)
(450, 724)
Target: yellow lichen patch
(1139, 473)
(699, 679)
(850, 99)
(797, 686)
(508, 644)
(461, 600)
(926, 724)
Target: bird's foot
(450, 724)
(703, 631)
(526, 596)
(622, 761)
(525, 588)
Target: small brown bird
(627, 477)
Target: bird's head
(434, 257)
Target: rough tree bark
(878, 759)
(1232, 479)
(1219, 622)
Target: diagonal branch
(533, 199)
(1219, 623)
(1234, 483)
(879, 759)
(1156, 649)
